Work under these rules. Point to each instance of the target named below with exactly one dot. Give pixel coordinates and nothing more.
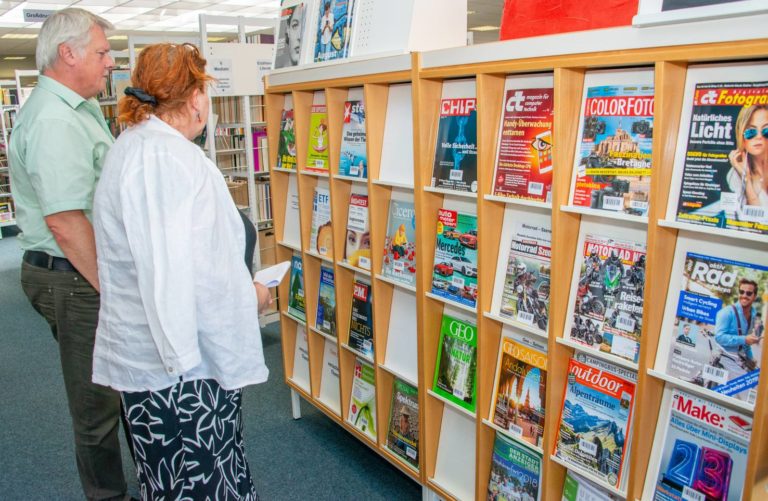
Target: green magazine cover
(456, 365)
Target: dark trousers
(71, 307)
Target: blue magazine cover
(455, 166)
(333, 30)
(515, 471)
(454, 275)
(354, 158)
(326, 303)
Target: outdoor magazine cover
(454, 275)
(321, 234)
(455, 166)
(403, 436)
(613, 158)
(289, 35)
(326, 303)
(400, 243)
(286, 148)
(361, 320)
(515, 472)
(456, 366)
(524, 157)
(333, 29)
(714, 345)
(317, 147)
(357, 246)
(296, 301)
(362, 405)
(353, 160)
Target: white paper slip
(272, 276)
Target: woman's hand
(263, 296)
(738, 160)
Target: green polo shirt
(56, 153)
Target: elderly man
(56, 154)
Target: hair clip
(141, 95)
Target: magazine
(357, 246)
(362, 405)
(525, 293)
(454, 275)
(608, 310)
(578, 488)
(286, 148)
(456, 365)
(722, 184)
(361, 321)
(519, 390)
(321, 234)
(596, 417)
(326, 303)
(296, 301)
(613, 161)
(400, 243)
(524, 156)
(289, 35)
(515, 471)
(713, 344)
(455, 166)
(333, 29)
(353, 159)
(704, 452)
(403, 436)
(317, 146)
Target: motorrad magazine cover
(707, 348)
(608, 311)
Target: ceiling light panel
(107, 3)
(152, 4)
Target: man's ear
(66, 54)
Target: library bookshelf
(456, 446)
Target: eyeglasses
(742, 292)
(752, 132)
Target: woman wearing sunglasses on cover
(749, 161)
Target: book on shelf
(403, 435)
(524, 151)
(258, 137)
(519, 390)
(318, 147)
(608, 309)
(454, 272)
(362, 405)
(720, 148)
(361, 318)
(456, 366)
(326, 302)
(286, 147)
(578, 488)
(515, 471)
(296, 298)
(399, 261)
(301, 359)
(455, 165)
(700, 450)
(596, 417)
(290, 34)
(120, 79)
(353, 158)
(321, 233)
(716, 337)
(329, 382)
(334, 28)
(357, 245)
(612, 165)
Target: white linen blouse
(177, 301)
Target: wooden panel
(274, 109)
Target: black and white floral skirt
(188, 443)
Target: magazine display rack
(456, 445)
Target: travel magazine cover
(608, 311)
(318, 158)
(518, 396)
(362, 405)
(515, 471)
(713, 344)
(353, 160)
(289, 35)
(321, 234)
(334, 24)
(613, 160)
(456, 366)
(454, 274)
(286, 147)
(296, 300)
(361, 320)
(524, 156)
(596, 417)
(357, 246)
(455, 166)
(326, 303)
(403, 436)
(400, 242)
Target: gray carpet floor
(309, 458)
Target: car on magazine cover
(469, 239)
(445, 269)
(464, 266)
(469, 293)
(439, 284)
(451, 233)
(452, 290)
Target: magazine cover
(456, 362)
(317, 148)
(525, 295)
(519, 388)
(454, 275)
(718, 331)
(353, 160)
(357, 246)
(608, 311)
(403, 436)
(613, 161)
(288, 43)
(286, 148)
(596, 417)
(515, 471)
(524, 158)
(326, 303)
(361, 321)
(705, 451)
(296, 291)
(400, 243)
(724, 182)
(455, 166)
(333, 29)
(362, 405)
(578, 488)
(321, 234)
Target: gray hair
(71, 26)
